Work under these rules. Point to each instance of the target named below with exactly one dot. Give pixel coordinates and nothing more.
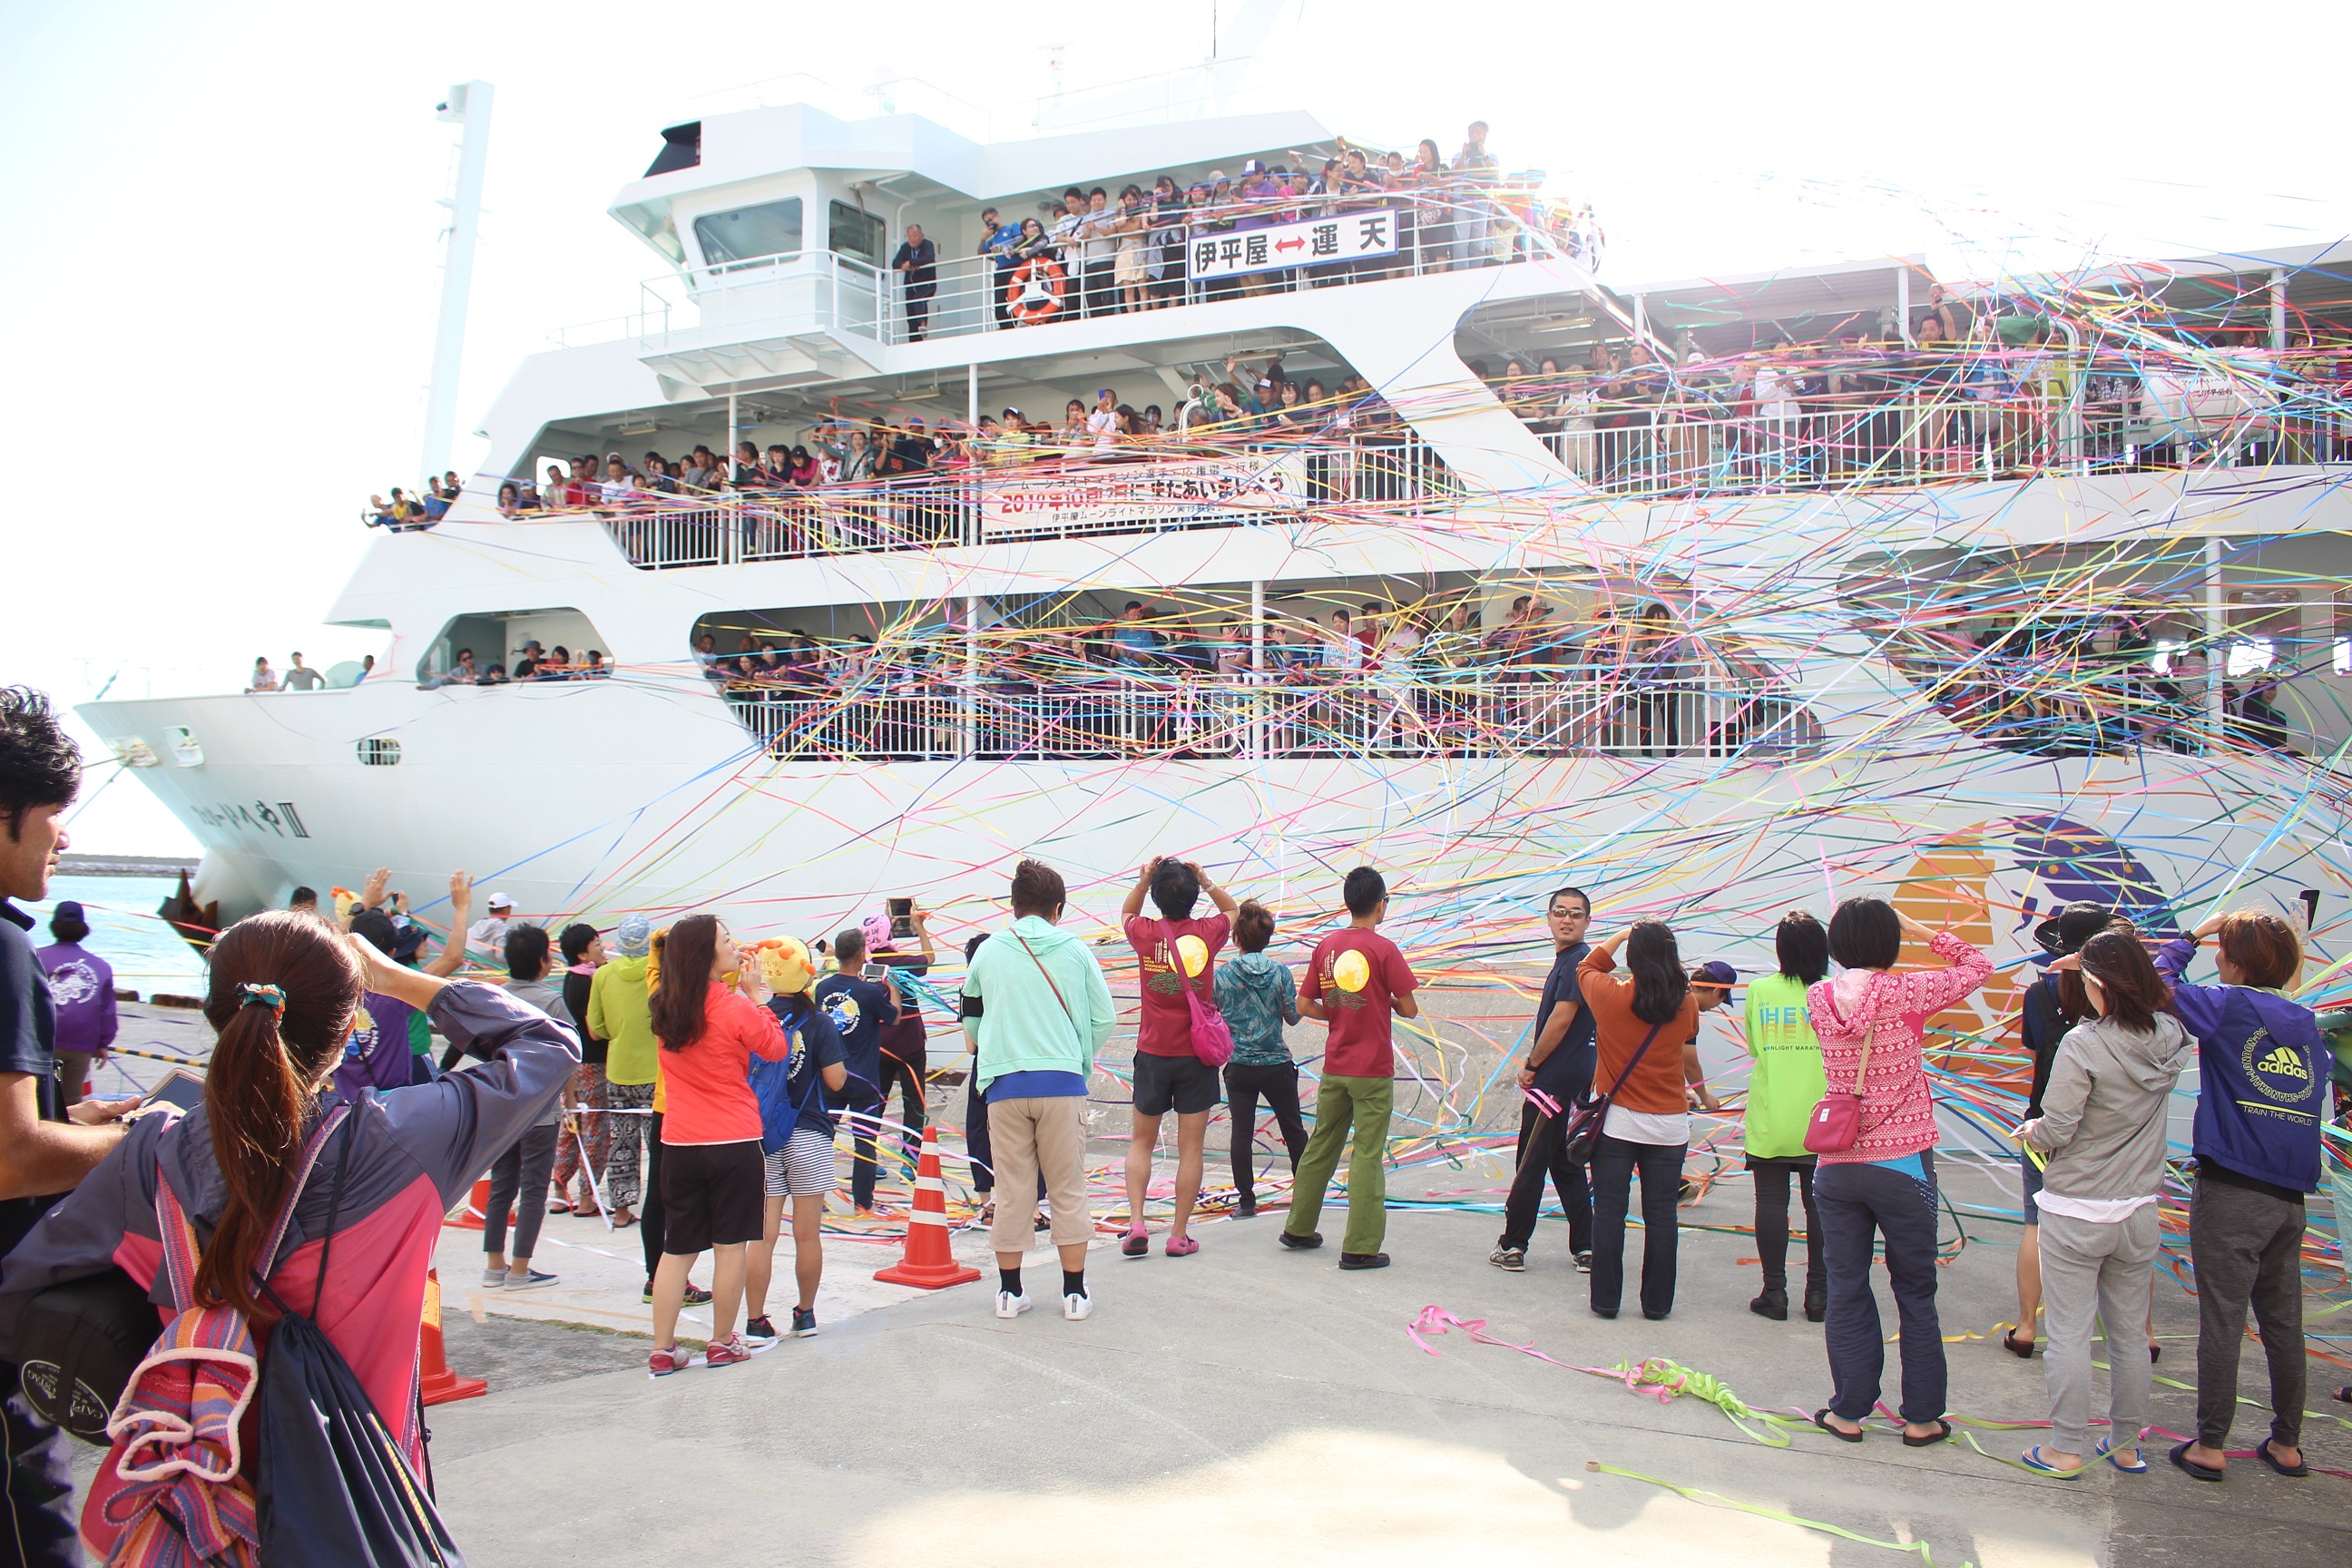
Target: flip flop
(2106, 1451)
(2009, 1342)
(2180, 1456)
(1822, 1420)
(1945, 1430)
(2291, 1472)
(2032, 1460)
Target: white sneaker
(1077, 1308)
(494, 1278)
(1009, 1305)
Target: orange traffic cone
(928, 1263)
(478, 1207)
(439, 1384)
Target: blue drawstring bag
(333, 1486)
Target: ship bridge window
(854, 232)
(747, 234)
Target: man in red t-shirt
(1356, 979)
(1174, 951)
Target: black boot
(1773, 1304)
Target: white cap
(501, 902)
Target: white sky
(221, 266)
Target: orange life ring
(1035, 292)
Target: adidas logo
(2282, 1062)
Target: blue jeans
(1860, 1203)
(1614, 1160)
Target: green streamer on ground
(1714, 1499)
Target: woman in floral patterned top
(1257, 997)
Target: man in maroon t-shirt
(1175, 951)
(1355, 980)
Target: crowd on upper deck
(1091, 252)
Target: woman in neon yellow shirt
(1786, 1085)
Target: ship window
(681, 149)
(855, 232)
(378, 752)
(771, 228)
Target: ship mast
(468, 105)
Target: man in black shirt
(918, 266)
(1555, 1078)
(44, 1151)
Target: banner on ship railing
(1342, 236)
(1078, 497)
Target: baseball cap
(634, 936)
(915, 422)
(1715, 972)
(501, 902)
(1015, 413)
(1255, 166)
(2071, 927)
(376, 928)
(1216, 176)
(67, 910)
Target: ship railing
(1661, 449)
(1410, 235)
(1671, 711)
(1068, 497)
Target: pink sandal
(1183, 1246)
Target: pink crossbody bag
(1836, 1124)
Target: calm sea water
(147, 955)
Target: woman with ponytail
(707, 1012)
(285, 993)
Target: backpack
(333, 1487)
(771, 1086)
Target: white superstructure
(1793, 750)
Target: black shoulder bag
(1584, 1121)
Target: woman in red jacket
(284, 990)
(713, 1176)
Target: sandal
(2106, 1451)
(2032, 1460)
(2291, 1472)
(2008, 1342)
(2180, 1456)
(1822, 1420)
(1181, 1246)
(1943, 1430)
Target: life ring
(1035, 292)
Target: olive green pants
(1362, 1105)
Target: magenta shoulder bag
(1212, 1042)
(1836, 1124)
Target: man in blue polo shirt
(1555, 1075)
(44, 1151)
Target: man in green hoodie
(1047, 1012)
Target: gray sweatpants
(2247, 1249)
(2102, 1268)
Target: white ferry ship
(2044, 606)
